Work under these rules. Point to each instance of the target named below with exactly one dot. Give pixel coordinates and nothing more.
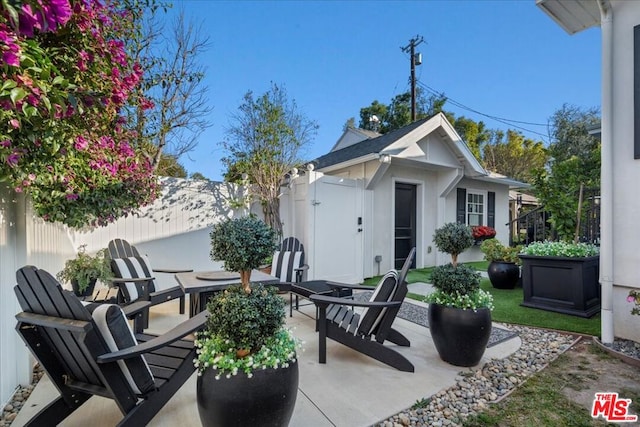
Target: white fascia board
(351, 162)
(512, 183)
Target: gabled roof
(398, 145)
(363, 148)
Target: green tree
(371, 116)
(475, 134)
(169, 166)
(264, 141)
(575, 162)
(570, 132)
(199, 176)
(516, 156)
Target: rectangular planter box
(565, 285)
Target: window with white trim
(476, 203)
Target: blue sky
(502, 58)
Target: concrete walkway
(349, 390)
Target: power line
(508, 122)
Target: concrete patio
(350, 390)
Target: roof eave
(350, 162)
(512, 183)
(572, 16)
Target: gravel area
(11, 409)
(477, 388)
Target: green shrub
(245, 332)
(494, 250)
(461, 279)
(453, 238)
(242, 244)
(245, 320)
(84, 268)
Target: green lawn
(507, 306)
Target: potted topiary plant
(562, 277)
(459, 311)
(504, 269)
(84, 270)
(247, 366)
(242, 244)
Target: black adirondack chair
(288, 265)
(89, 350)
(366, 332)
(133, 276)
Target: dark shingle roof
(368, 146)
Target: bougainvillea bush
(65, 80)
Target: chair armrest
(172, 270)
(131, 280)
(71, 325)
(324, 300)
(185, 328)
(349, 286)
(302, 268)
(135, 308)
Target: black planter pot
(460, 335)
(561, 284)
(87, 292)
(265, 399)
(503, 275)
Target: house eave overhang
(350, 162)
(573, 15)
(512, 183)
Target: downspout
(606, 174)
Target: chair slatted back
(68, 350)
(401, 292)
(402, 277)
(289, 257)
(120, 248)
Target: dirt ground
(593, 370)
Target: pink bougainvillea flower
(13, 159)
(29, 21)
(15, 123)
(11, 58)
(62, 10)
(81, 143)
(631, 298)
(146, 104)
(71, 196)
(18, 189)
(6, 143)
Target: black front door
(405, 226)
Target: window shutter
(461, 206)
(491, 209)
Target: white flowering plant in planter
(245, 332)
(561, 249)
(457, 285)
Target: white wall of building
(626, 175)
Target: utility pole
(416, 59)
